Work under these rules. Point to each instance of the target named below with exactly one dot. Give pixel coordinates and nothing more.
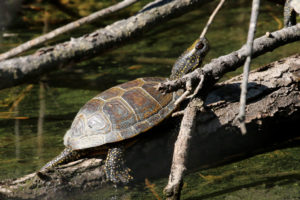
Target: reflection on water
(50, 106)
(17, 133)
(40, 124)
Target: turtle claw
(119, 176)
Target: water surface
(35, 116)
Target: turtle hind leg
(115, 168)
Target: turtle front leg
(115, 168)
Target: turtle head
(190, 59)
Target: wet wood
(273, 96)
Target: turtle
(291, 8)
(107, 122)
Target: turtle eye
(199, 45)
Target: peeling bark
(273, 101)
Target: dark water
(34, 117)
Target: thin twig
(249, 48)
(71, 26)
(211, 18)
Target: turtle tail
(67, 155)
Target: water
(34, 118)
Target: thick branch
(18, 70)
(273, 94)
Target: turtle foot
(115, 168)
(119, 176)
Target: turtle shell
(119, 113)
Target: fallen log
(273, 106)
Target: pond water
(35, 116)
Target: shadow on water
(269, 182)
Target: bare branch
(249, 47)
(18, 70)
(211, 18)
(69, 27)
(173, 189)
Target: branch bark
(18, 70)
(273, 95)
(173, 189)
(249, 46)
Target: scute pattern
(135, 83)
(98, 124)
(110, 93)
(91, 107)
(120, 116)
(78, 126)
(119, 113)
(142, 104)
(163, 99)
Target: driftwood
(18, 70)
(273, 95)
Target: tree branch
(66, 28)
(18, 70)
(249, 46)
(173, 189)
